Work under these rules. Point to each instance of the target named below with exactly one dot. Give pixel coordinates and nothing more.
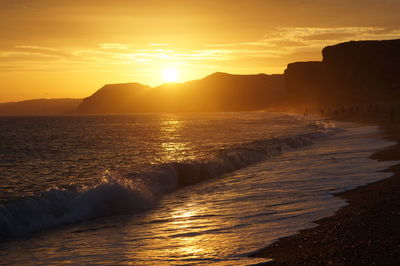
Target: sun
(170, 75)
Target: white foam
(139, 191)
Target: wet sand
(365, 232)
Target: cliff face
(302, 78)
(40, 107)
(359, 71)
(217, 92)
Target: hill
(217, 92)
(40, 107)
(116, 98)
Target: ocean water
(179, 189)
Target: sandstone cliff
(356, 71)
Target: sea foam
(135, 192)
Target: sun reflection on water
(186, 223)
(172, 147)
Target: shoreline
(364, 232)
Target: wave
(139, 191)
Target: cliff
(40, 107)
(356, 71)
(217, 92)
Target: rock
(351, 72)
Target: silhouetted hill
(217, 92)
(356, 71)
(40, 107)
(116, 98)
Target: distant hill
(116, 98)
(350, 72)
(217, 92)
(40, 107)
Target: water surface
(269, 175)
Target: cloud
(34, 52)
(26, 56)
(158, 44)
(334, 34)
(278, 46)
(13, 68)
(33, 47)
(116, 46)
(318, 36)
(284, 41)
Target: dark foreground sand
(365, 232)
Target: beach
(364, 232)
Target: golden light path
(172, 148)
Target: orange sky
(71, 48)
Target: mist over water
(264, 176)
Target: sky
(71, 48)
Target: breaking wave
(139, 191)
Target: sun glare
(170, 75)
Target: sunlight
(171, 148)
(170, 75)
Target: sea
(173, 189)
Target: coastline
(364, 232)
